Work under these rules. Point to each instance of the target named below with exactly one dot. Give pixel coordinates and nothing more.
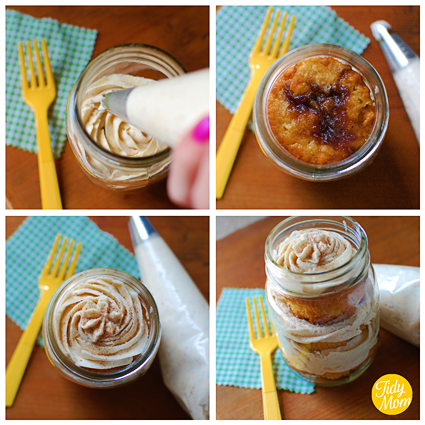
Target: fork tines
(43, 81)
(267, 331)
(260, 39)
(54, 272)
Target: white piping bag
(399, 289)
(166, 109)
(184, 314)
(404, 65)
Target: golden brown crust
(326, 309)
(320, 110)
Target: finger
(183, 169)
(199, 194)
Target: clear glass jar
(91, 377)
(327, 322)
(303, 170)
(104, 168)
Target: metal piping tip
(378, 27)
(397, 53)
(141, 230)
(116, 102)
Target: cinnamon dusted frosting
(313, 251)
(109, 131)
(101, 324)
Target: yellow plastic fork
(259, 62)
(48, 282)
(39, 98)
(264, 345)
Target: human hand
(188, 178)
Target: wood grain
(45, 394)
(240, 263)
(391, 181)
(181, 31)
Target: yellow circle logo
(392, 394)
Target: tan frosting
(100, 324)
(313, 250)
(109, 131)
(331, 360)
(295, 334)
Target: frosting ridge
(313, 250)
(101, 324)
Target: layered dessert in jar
(327, 318)
(102, 326)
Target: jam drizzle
(331, 125)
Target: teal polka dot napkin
(70, 49)
(237, 364)
(28, 248)
(238, 28)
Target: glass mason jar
(59, 308)
(303, 170)
(105, 168)
(327, 322)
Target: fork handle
(270, 400)
(50, 194)
(18, 363)
(229, 146)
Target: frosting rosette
(109, 131)
(101, 324)
(313, 251)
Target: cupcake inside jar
(327, 331)
(320, 110)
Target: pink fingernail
(201, 133)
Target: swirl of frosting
(109, 131)
(313, 251)
(100, 324)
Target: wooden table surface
(240, 263)
(391, 181)
(45, 394)
(181, 31)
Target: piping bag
(404, 66)
(184, 314)
(166, 109)
(399, 290)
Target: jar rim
(124, 372)
(316, 172)
(166, 59)
(323, 275)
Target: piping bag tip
(377, 27)
(116, 102)
(141, 229)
